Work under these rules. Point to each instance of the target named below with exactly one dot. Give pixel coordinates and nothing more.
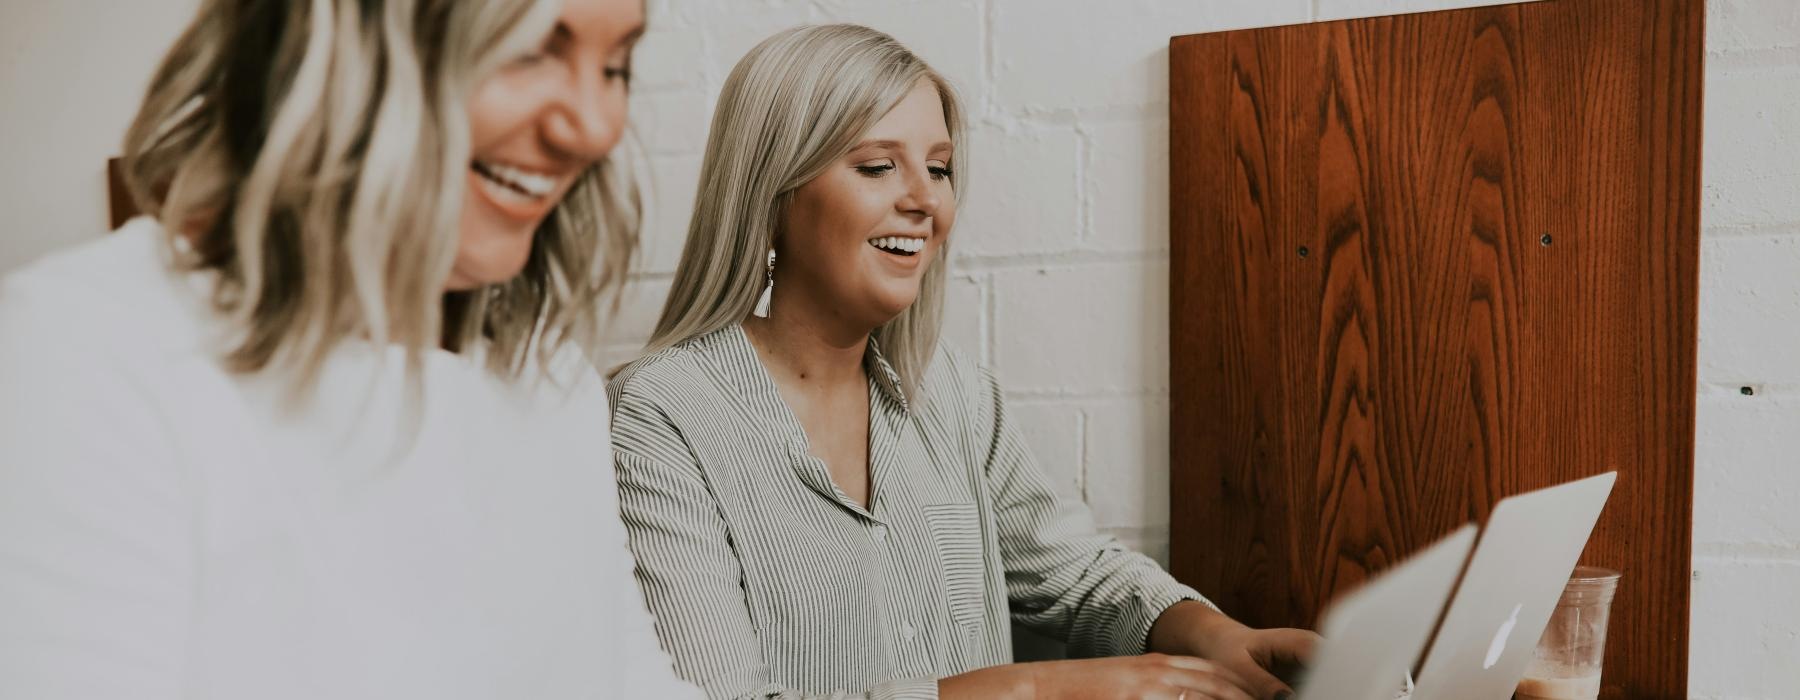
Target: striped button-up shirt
(766, 581)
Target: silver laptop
(1375, 634)
(1530, 545)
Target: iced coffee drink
(1567, 663)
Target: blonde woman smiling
(307, 431)
(826, 501)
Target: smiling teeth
(528, 183)
(899, 243)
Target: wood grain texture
(120, 207)
(1421, 263)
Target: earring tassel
(762, 303)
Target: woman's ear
(783, 202)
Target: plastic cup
(1566, 665)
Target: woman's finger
(1285, 654)
(1286, 647)
(1212, 686)
(1264, 685)
(1190, 663)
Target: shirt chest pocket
(962, 562)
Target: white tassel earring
(762, 303)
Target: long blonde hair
(796, 103)
(319, 149)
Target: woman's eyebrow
(891, 144)
(564, 32)
(885, 144)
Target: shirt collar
(744, 367)
(886, 379)
(734, 361)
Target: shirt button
(880, 533)
(907, 632)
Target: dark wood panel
(120, 206)
(1420, 263)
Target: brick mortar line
(990, 64)
(1747, 553)
(1118, 113)
(1770, 395)
(1084, 197)
(1081, 451)
(1777, 57)
(990, 308)
(1043, 397)
(1745, 232)
(1054, 260)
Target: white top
(168, 530)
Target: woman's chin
(891, 306)
(470, 272)
(490, 253)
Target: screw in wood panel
(1747, 390)
(1545, 240)
(1305, 251)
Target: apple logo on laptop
(1496, 649)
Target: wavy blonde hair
(317, 150)
(791, 107)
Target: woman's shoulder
(669, 375)
(138, 250)
(119, 290)
(657, 398)
(955, 379)
(88, 336)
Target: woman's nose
(589, 118)
(920, 196)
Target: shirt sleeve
(1065, 579)
(690, 572)
(97, 521)
(639, 665)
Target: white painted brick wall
(1066, 234)
(1054, 429)
(1008, 215)
(1746, 605)
(1093, 329)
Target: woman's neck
(813, 354)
